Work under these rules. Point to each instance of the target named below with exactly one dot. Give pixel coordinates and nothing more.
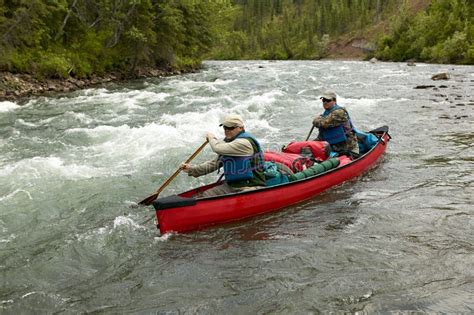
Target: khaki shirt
(237, 147)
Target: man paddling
(335, 126)
(239, 154)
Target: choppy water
(398, 239)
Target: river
(398, 239)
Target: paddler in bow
(335, 126)
(239, 154)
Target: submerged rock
(440, 76)
(424, 86)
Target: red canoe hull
(222, 209)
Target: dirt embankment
(360, 45)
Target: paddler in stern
(335, 126)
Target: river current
(397, 239)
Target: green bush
(455, 48)
(20, 61)
(443, 34)
(51, 65)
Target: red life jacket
(319, 149)
(295, 162)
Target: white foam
(359, 102)
(117, 102)
(126, 221)
(12, 194)
(81, 117)
(40, 167)
(391, 73)
(8, 239)
(164, 237)
(28, 294)
(124, 145)
(266, 98)
(56, 297)
(192, 126)
(26, 124)
(186, 86)
(7, 106)
(93, 235)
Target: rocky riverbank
(18, 87)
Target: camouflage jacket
(336, 118)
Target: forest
(80, 38)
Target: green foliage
(443, 34)
(88, 37)
(85, 37)
(283, 29)
(53, 65)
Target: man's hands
(317, 122)
(184, 167)
(210, 136)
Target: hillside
(360, 44)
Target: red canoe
(183, 213)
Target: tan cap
(328, 94)
(232, 120)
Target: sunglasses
(325, 100)
(229, 128)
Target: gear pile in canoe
(301, 171)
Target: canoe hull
(222, 209)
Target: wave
(7, 106)
(12, 194)
(126, 221)
(42, 167)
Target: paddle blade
(148, 200)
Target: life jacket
(319, 150)
(240, 171)
(295, 162)
(338, 134)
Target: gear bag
(320, 150)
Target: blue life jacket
(337, 134)
(245, 170)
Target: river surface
(398, 239)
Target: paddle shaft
(310, 132)
(148, 200)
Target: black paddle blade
(148, 200)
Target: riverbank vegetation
(444, 33)
(84, 38)
(298, 29)
(80, 38)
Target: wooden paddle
(310, 132)
(148, 200)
